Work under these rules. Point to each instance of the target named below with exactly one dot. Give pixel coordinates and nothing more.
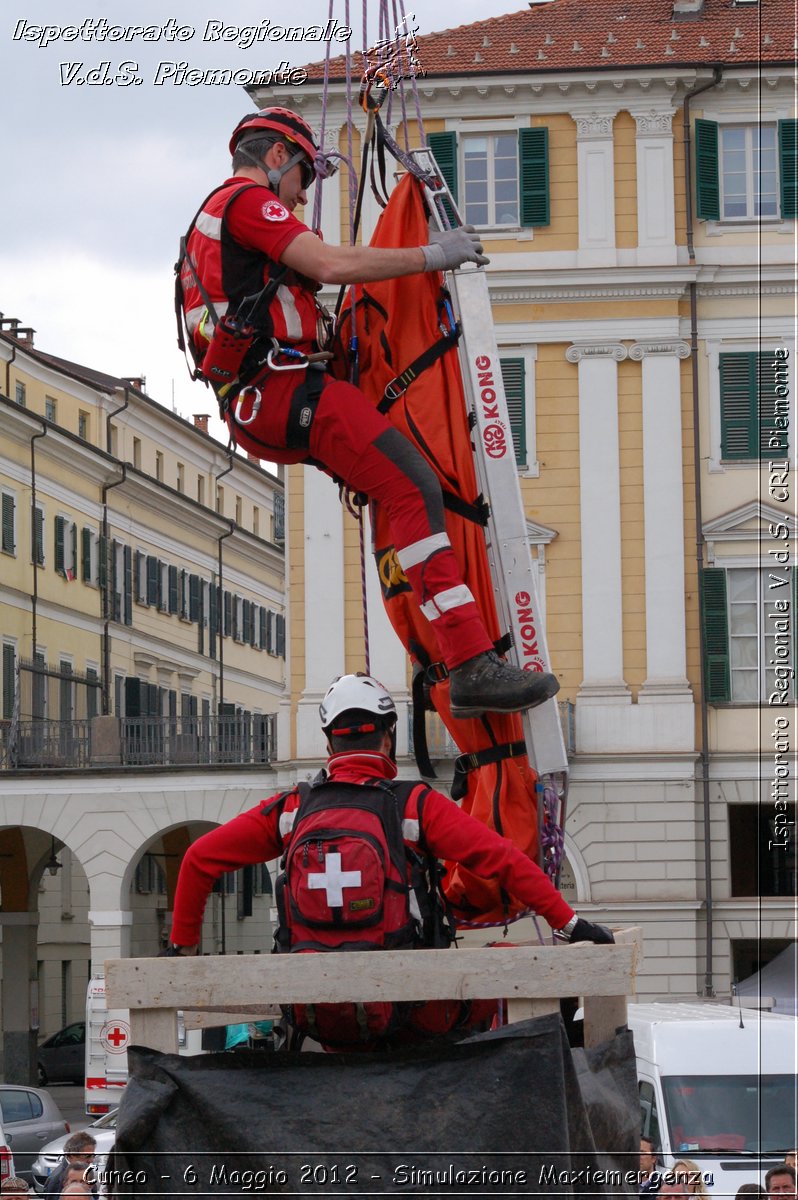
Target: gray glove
(453, 247)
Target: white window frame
(464, 128)
(765, 598)
(741, 113)
(750, 216)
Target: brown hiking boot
(486, 684)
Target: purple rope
(552, 837)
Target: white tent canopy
(777, 979)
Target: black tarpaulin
(514, 1112)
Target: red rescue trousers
(353, 442)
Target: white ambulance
(717, 1086)
(107, 1040)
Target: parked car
(103, 1131)
(62, 1057)
(6, 1158)
(31, 1119)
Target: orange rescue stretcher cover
(396, 321)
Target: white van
(718, 1086)
(107, 1040)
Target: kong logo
(494, 431)
(527, 632)
(393, 580)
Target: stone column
(595, 188)
(323, 540)
(656, 213)
(19, 972)
(110, 936)
(600, 505)
(663, 502)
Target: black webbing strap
(481, 758)
(401, 382)
(420, 746)
(302, 411)
(477, 510)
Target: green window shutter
(707, 171)
(533, 172)
(74, 548)
(116, 597)
(152, 580)
(715, 625)
(193, 598)
(748, 401)
(444, 147)
(9, 679)
(102, 561)
(173, 590)
(788, 167)
(8, 524)
(127, 606)
(280, 636)
(38, 536)
(60, 527)
(85, 553)
(514, 378)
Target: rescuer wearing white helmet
(351, 844)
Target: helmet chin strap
(273, 174)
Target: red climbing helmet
(282, 121)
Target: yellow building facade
(641, 285)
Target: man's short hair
(256, 146)
(780, 1169)
(652, 1145)
(76, 1188)
(80, 1143)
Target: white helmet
(361, 692)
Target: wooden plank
(603, 1015)
(522, 1010)
(154, 1027)
(211, 1018)
(236, 983)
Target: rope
(552, 837)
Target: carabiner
(255, 406)
(292, 366)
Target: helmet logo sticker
(274, 211)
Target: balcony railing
(176, 741)
(139, 741)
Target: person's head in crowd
(791, 1159)
(750, 1189)
(648, 1155)
(80, 1148)
(780, 1180)
(690, 1175)
(76, 1188)
(14, 1186)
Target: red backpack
(354, 878)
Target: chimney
(688, 8)
(253, 458)
(139, 382)
(201, 422)
(12, 326)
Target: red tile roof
(578, 35)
